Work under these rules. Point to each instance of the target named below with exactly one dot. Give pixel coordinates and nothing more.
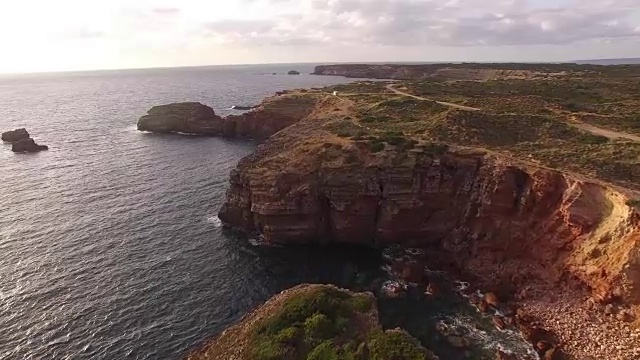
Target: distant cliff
(462, 71)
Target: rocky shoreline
(562, 250)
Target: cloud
(431, 22)
(166, 11)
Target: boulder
(15, 135)
(499, 323)
(293, 72)
(413, 272)
(492, 299)
(27, 145)
(458, 341)
(483, 307)
(186, 117)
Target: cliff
(495, 217)
(313, 322)
(453, 71)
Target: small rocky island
(314, 322)
(504, 176)
(293, 72)
(21, 141)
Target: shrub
(267, 349)
(572, 106)
(288, 335)
(376, 146)
(394, 345)
(592, 139)
(634, 203)
(362, 303)
(375, 118)
(324, 351)
(436, 149)
(319, 326)
(351, 158)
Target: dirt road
(461, 107)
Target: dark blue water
(110, 247)
(109, 243)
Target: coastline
(312, 143)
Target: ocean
(110, 247)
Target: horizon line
(3, 74)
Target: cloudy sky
(46, 35)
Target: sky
(62, 35)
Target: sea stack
(15, 135)
(186, 117)
(21, 141)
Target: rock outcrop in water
(266, 119)
(501, 220)
(21, 142)
(27, 146)
(188, 118)
(313, 322)
(15, 135)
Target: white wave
(492, 339)
(215, 220)
(462, 285)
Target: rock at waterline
(186, 117)
(15, 135)
(27, 145)
(243, 108)
(293, 72)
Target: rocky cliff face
(497, 219)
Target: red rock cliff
(494, 217)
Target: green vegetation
(634, 203)
(393, 345)
(530, 118)
(376, 146)
(329, 324)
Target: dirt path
(461, 107)
(611, 134)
